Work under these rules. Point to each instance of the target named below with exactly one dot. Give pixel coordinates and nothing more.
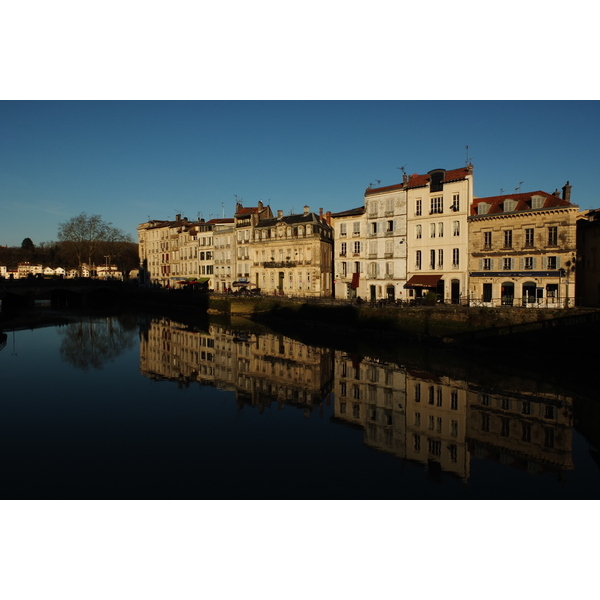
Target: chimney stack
(404, 178)
(320, 214)
(279, 214)
(567, 192)
(178, 217)
(306, 210)
(328, 217)
(556, 193)
(260, 205)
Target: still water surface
(137, 407)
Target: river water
(141, 407)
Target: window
(418, 207)
(485, 422)
(507, 264)
(483, 208)
(418, 260)
(440, 230)
(356, 248)
(487, 264)
(373, 228)
(508, 238)
(454, 400)
(431, 395)
(440, 259)
(355, 228)
(342, 229)
(440, 395)
(509, 205)
(454, 428)
(551, 263)
(529, 262)
(343, 249)
(344, 269)
(389, 248)
(432, 259)
(436, 181)
(529, 238)
(437, 206)
(419, 232)
(432, 230)
(537, 201)
(389, 226)
(456, 228)
(357, 267)
(525, 432)
(455, 258)
(417, 419)
(455, 202)
(417, 392)
(505, 431)
(487, 240)
(552, 236)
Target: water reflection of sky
(104, 409)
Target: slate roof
(523, 202)
(353, 212)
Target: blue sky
(133, 160)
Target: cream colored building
(588, 265)
(523, 250)
(438, 205)
(386, 243)
(349, 253)
(291, 255)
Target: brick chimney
(567, 192)
(328, 217)
(320, 214)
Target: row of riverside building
(429, 235)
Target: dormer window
(435, 180)
(483, 208)
(537, 201)
(510, 205)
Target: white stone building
(386, 243)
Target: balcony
(285, 264)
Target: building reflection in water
(418, 416)
(261, 369)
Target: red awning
(355, 279)
(425, 281)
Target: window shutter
(521, 263)
(481, 264)
(558, 262)
(534, 263)
(512, 264)
(544, 263)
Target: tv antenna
(467, 157)
(199, 215)
(518, 189)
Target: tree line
(81, 239)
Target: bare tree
(84, 235)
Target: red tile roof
(416, 180)
(523, 202)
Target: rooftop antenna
(199, 215)
(402, 168)
(518, 189)
(378, 181)
(501, 191)
(467, 157)
(223, 207)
